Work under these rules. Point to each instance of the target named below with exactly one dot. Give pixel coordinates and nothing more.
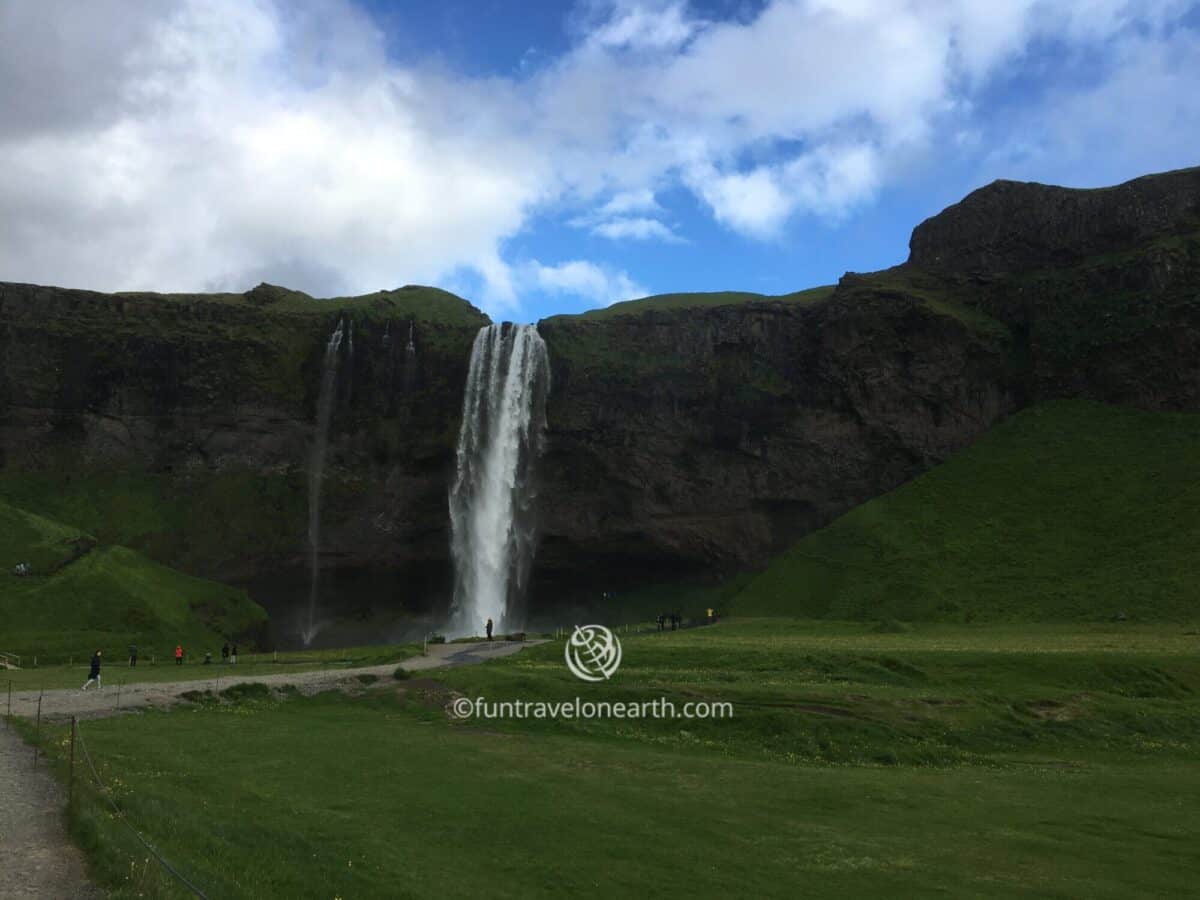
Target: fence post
(71, 770)
(37, 734)
(118, 695)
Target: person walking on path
(233, 654)
(132, 655)
(179, 654)
(94, 674)
(489, 629)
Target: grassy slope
(714, 298)
(108, 598)
(1068, 511)
(194, 523)
(428, 304)
(26, 538)
(957, 762)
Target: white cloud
(190, 144)
(596, 284)
(636, 228)
(630, 202)
(638, 26)
(1143, 116)
(828, 182)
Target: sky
(552, 157)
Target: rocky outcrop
(1012, 227)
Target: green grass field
(1067, 511)
(83, 596)
(988, 761)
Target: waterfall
(492, 512)
(410, 362)
(316, 470)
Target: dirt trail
(94, 703)
(36, 859)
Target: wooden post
(71, 770)
(37, 734)
(118, 695)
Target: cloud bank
(211, 144)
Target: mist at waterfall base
(493, 512)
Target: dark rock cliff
(695, 436)
(182, 424)
(689, 439)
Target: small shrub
(367, 678)
(890, 626)
(401, 673)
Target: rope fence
(77, 734)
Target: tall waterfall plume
(492, 502)
(316, 470)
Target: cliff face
(701, 438)
(183, 424)
(685, 434)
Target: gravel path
(37, 862)
(36, 859)
(95, 703)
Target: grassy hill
(1067, 511)
(83, 596)
(712, 298)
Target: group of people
(711, 617)
(229, 654)
(672, 619)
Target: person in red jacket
(178, 654)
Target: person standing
(233, 654)
(132, 655)
(179, 654)
(94, 674)
(489, 629)
(225, 652)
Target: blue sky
(553, 157)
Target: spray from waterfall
(492, 502)
(316, 471)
